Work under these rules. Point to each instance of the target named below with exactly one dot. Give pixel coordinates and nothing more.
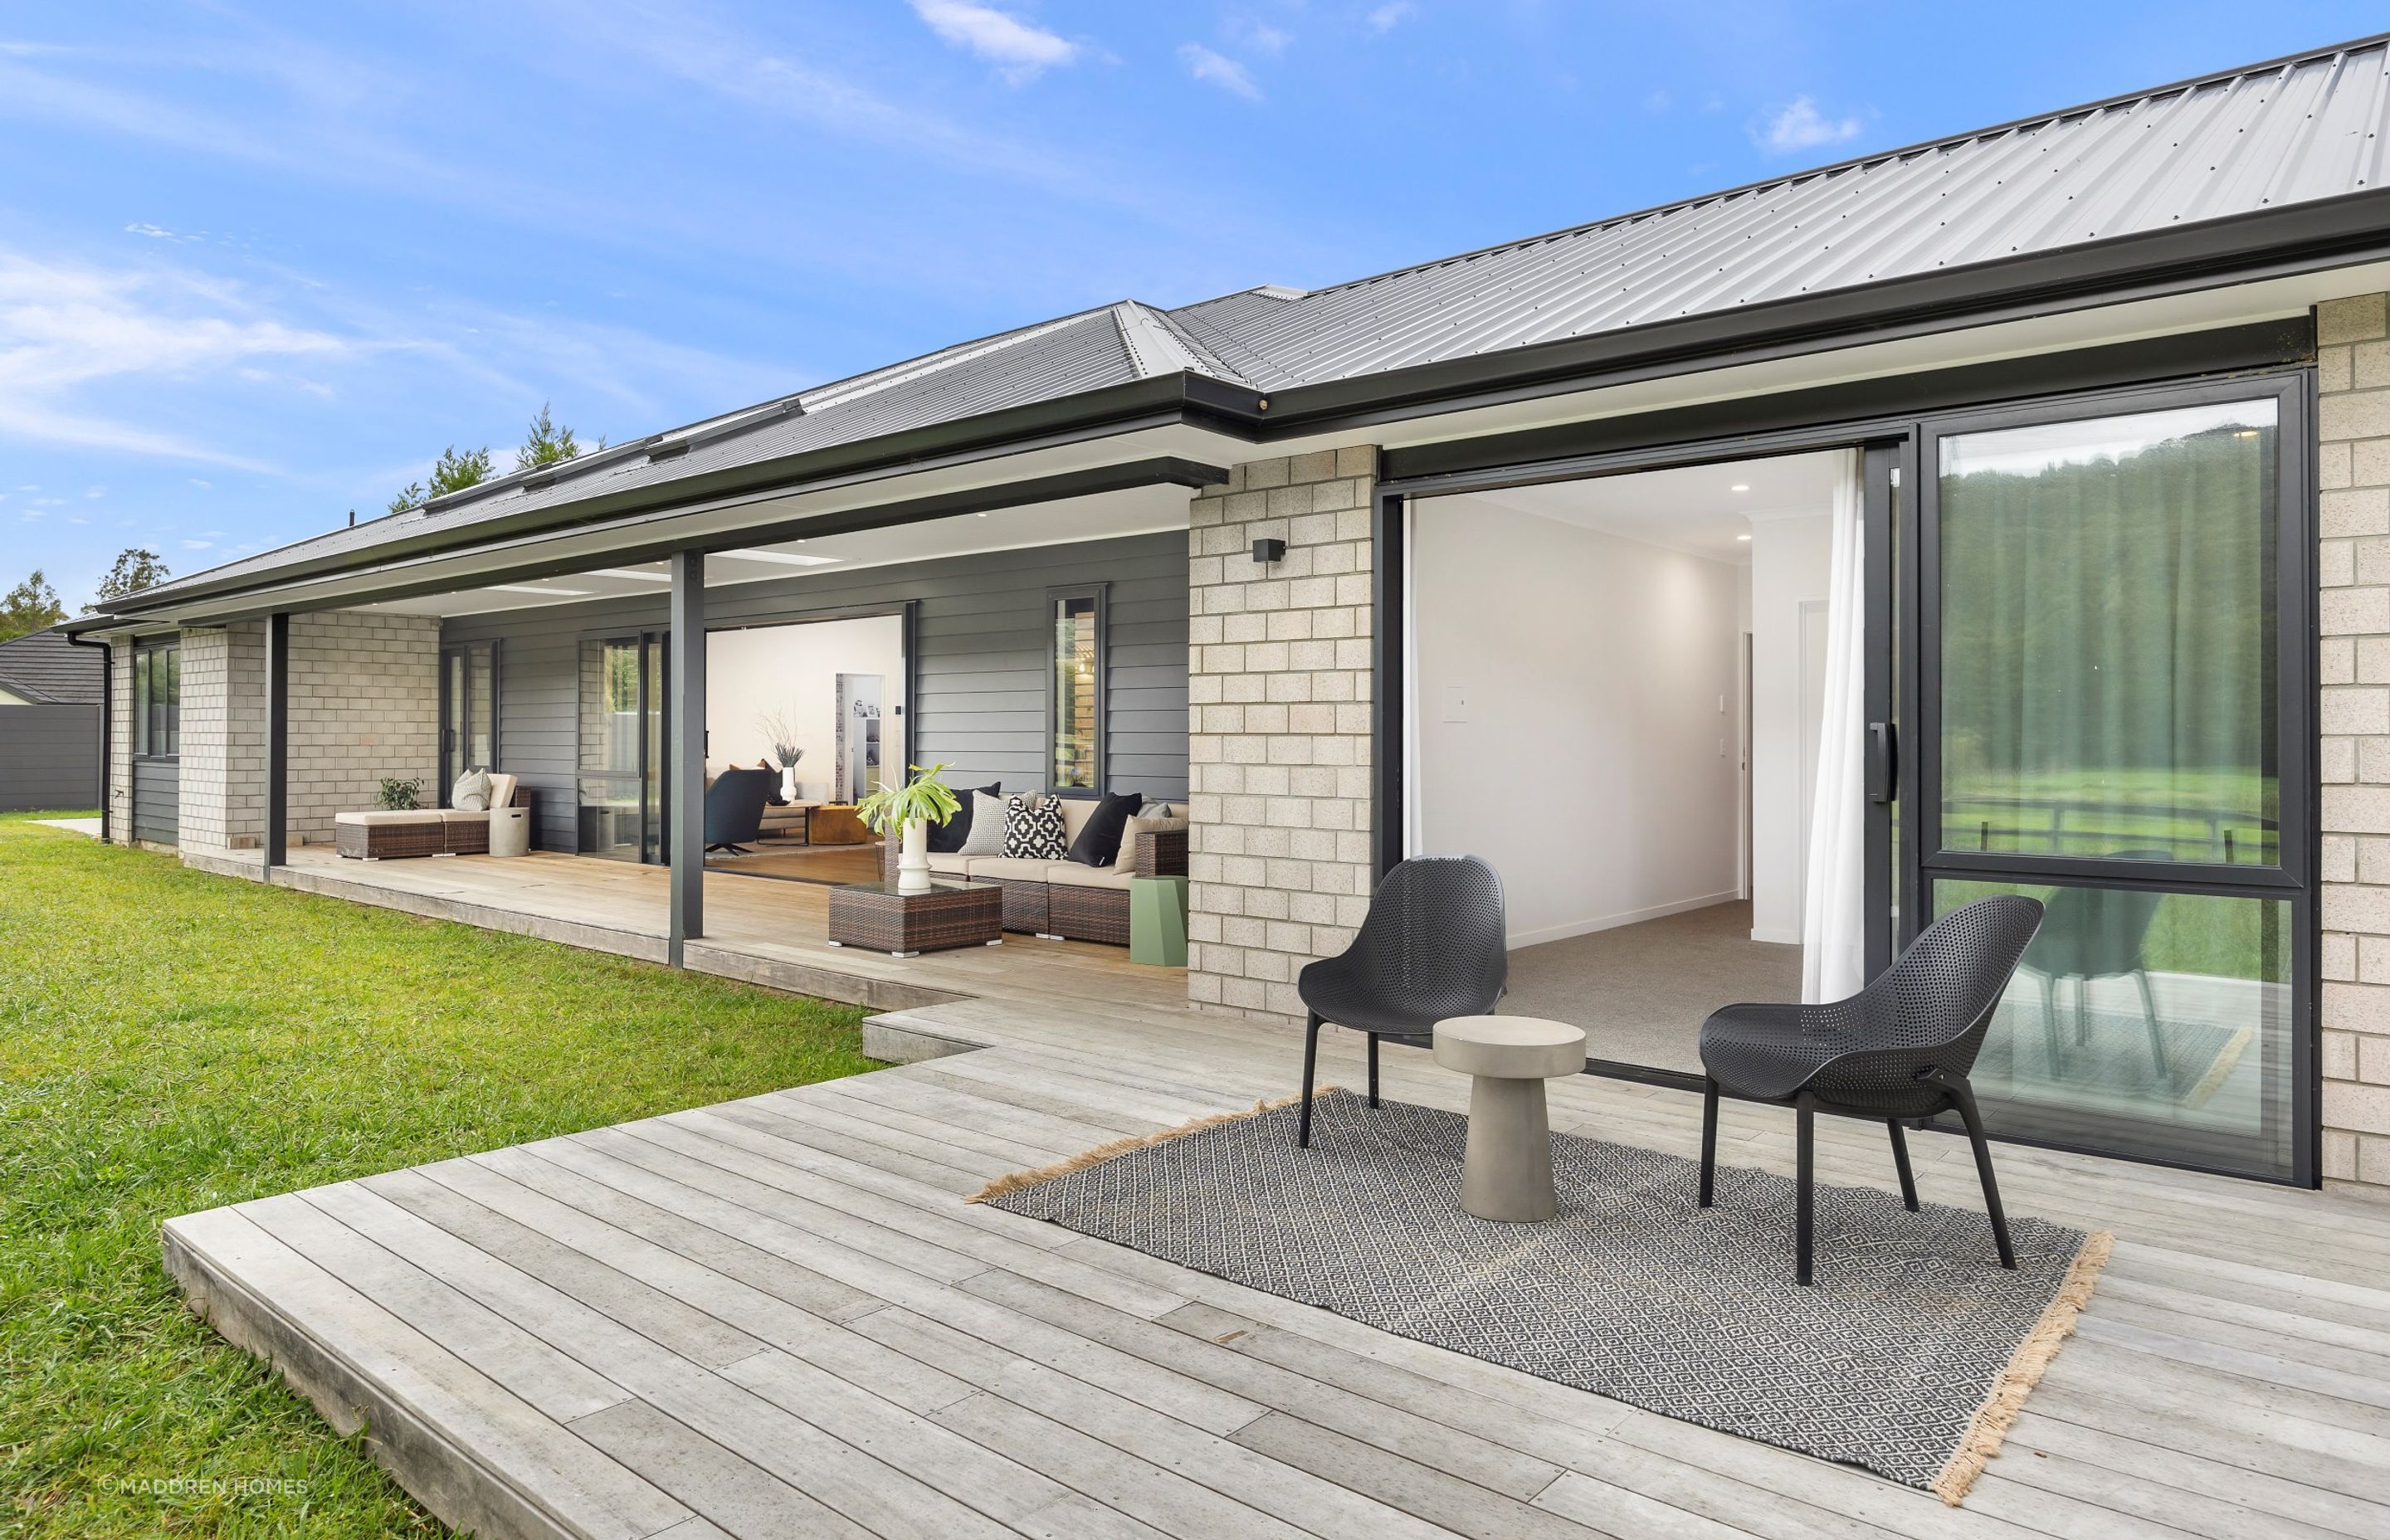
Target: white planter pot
(913, 864)
(789, 783)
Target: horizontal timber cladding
(978, 668)
(49, 757)
(157, 801)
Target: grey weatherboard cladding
(2307, 133)
(979, 662)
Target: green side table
(1157, 921)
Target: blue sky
(259, 264)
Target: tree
(547, 443)
(32, 605)
(455, 472)
(136, 568)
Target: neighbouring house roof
(2231, 158)
(45, 669)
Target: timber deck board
(776, 1316)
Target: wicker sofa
(1065, 900)
(387, 835)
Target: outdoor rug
(1909, 1357)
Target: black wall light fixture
(1269, 551)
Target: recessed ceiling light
(631, 572)
(1740, 486)
(983, 516)
(532, 589)
(1742, 537)
(784, 558)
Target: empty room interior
(1616, 697)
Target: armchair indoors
(1899, 1049)
(734, 809)
(1433, 946)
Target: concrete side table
(1508, 1170)
(510, 831)
(1157, 921)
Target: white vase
(789, 783)
(913, 864)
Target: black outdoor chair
(734, 809)
(2096, 933)
(1432, 947)
(1897, 1050)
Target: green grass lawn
(170, 1041)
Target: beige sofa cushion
(1076, 811)
(463, 815)
(1004, 869)
(390, 818)
(950, 863)
(1071, 874)
(502, 789)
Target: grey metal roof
(46, 668)
(2296, 131)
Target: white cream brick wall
(1279, 694)
(120, 742)
(222, 782)
(2353, 425)
(364, 703)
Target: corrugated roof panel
(2236, 144)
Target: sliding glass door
(2111, 659)
(624, 772)
(468, 710)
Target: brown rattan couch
(1063, 900)
(386, 835)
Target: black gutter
(2303, 237)
(106, 729)
(1164, 400)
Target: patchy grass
(172, 1041)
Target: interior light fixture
(784, 558)
(1740, 486)
(1742, 537)
(533, 588)
(629, 572)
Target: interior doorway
(1619, 698)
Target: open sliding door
(2108, 652)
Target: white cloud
(1801, 126)
(1260, 36)
(1025, 51)
(1220, 70)
(1386, 18)
(201, 485)
(197, 545)
(96, 492)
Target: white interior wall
(1789, 557)
(1575, 715)
(793, 669)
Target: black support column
(276, 842)
(685, 778)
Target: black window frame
(449, 653)
(146, 653)
(1099, 593)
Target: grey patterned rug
(1909, 1357)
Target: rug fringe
(1015, 1181)
(2025, 1367)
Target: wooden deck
(776, 1317)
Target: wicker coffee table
(951, 913)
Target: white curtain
(1833, 912)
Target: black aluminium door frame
(1904, 605)
(456, 705)
(2296, 746)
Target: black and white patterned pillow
(1033, 829)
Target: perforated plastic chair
(1433, 946)
(1899, 1049)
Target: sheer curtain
(1833, 911)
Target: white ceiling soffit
(2269, 300)
(715, 522)
(1104, 515)
(1699, 510)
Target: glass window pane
(2108, 637)
(141, 657)
(1074, 692)
(480, 699)
(2145, 1024)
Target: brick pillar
(222, 792)
(1279, 749)
(2353, 428)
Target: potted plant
(908, 811)
(400, 794)
(782, 737)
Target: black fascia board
(2302, 237)
(1160, 402)
(534, 565)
